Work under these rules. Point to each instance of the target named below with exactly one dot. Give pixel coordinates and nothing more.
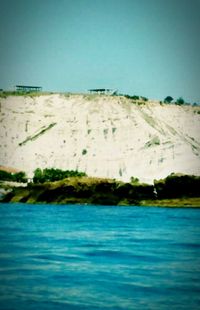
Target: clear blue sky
(144, 47)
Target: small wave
(56, 258)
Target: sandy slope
(102, 135)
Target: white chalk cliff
(102, 135)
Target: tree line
(52, 174)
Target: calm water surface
(97, 257)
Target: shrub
(180, 101)
(38, 176)
(6, 176)
(127, 96)
(84, 152)
(20, 177)
(134, 180)
(144, 98)
(168, 99)
(135, 97)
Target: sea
(80, 257)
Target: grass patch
(177, 202)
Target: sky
(140, 47)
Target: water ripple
(83, 257)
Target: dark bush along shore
(174, 191)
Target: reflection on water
(92, 257)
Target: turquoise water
(98, 257)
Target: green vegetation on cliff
(13, 177)
(175, 190)
(52, 174)
(82, 190)
(178, 186)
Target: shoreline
(193, 202)
(173, 203)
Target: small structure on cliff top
(24, 88)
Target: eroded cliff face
(103, 136)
